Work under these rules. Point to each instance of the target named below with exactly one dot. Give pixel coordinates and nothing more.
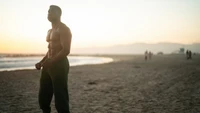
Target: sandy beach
(164, 84)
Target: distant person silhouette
(55, 65)
(190, 54)
(187, 54)
(146, 55)
(150, 55)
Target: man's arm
(65, 40)
(44, 58)
(39, 64)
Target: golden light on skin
(99, 23)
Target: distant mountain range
(138, 48)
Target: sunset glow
(24, 24)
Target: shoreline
(102, 59)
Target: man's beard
(52, 19)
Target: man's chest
(52, 35)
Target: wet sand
(165, 84)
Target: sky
(99, 23)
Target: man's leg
(45, 92)
(59, 75)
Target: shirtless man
(55, 65)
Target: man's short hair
(57, 8)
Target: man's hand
(47, 63)
(38, 66)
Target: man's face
(52, 15)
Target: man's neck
(55, 24)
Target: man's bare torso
(53, 39)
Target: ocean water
(20, 63)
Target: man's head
(54, 13)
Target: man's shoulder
(49, 30)
(63, 27)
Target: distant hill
(138, 48)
